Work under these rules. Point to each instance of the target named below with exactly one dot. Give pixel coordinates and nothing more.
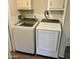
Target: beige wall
(12, 6)
(40, 6)
(66, 27)
(65, 39)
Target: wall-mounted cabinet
(57, 9)
(24, 4)
(56, 5)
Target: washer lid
(49, 26)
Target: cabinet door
(47, 40)
(56, 4)
(23, 4)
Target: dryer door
(47, 42)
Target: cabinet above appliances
(56, 5)
(24, 4)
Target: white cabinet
(24, 4)
(55, 4)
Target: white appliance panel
(47, 40)
(24, 39)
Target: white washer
(48, 34)
(24, 35)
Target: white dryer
(48, 34)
